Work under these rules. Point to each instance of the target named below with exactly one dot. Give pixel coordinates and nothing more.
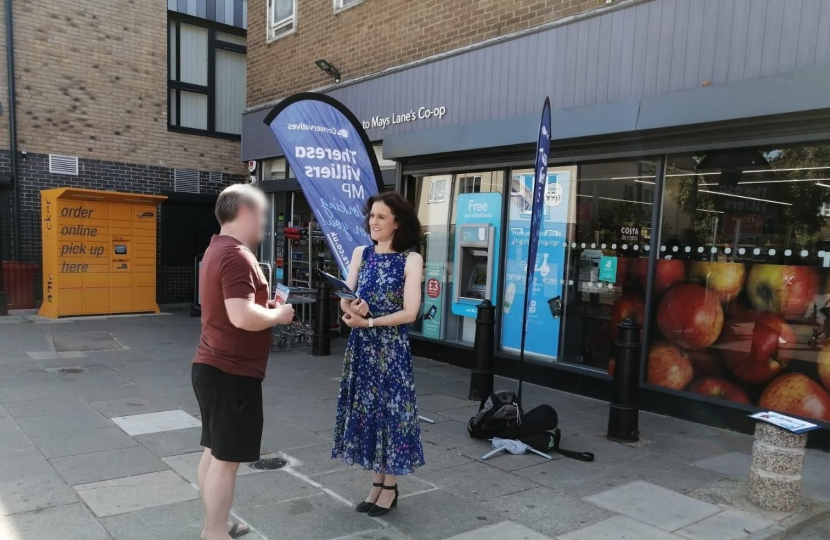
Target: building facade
(687, 186)
(142, 97)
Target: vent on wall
(63, 164)
(186, 180)
(216, 177)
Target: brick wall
(92, 82)
(174, 284)
(378, 34)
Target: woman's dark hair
(409, 227)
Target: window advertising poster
(545, 300)
(433, 308)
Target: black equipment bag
(500, 415)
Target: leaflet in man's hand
(281, 294)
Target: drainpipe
(12, 131)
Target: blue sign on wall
(542, 328)
(334, 164)
(479, 209)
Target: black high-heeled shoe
(366, 506)
(378, 511)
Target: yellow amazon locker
(99, 252)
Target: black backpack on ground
(501, 415)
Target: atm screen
(478, 281)
(120, 249)
(473, 234)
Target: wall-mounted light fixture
(328, 68)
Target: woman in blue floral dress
(377, 417)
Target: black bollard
(321, 340)
(623, 420)
(481, 374)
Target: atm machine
(473, 255)
(476, 268)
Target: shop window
(606, 258)
(437, 190)
(281, 18)
(206, 77)
(741, 294)
(439, 216)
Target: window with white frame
(206, 77)
(282, 17)
(471, 184)
(437, 191)
(343, 4)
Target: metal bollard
(321, 340)
(481, 374)
(623, 420)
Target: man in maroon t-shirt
(237, 316)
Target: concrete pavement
(99, 440)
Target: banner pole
(539, 184)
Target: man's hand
(355, 321)
(359, 307)
(285, 314)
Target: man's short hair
(233, 197)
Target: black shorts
(231, 407)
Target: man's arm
(246, 315)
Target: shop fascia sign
(412, 115)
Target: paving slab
(569, 476)
(733, 464)
(353, 483)
(121, 495)
(688, 450)
(654, 505)
(619, 528)
(133, 406)
(377, 534)
(22, 464)
(172, 443)
(814, 460)
(82, 442)
(34, 492)
(44, 407)
(4, 413)
(112, 393)
(63, 423)
(313, 460)
(506, 530)
(177, 521)
(50, 390)
(278, 485)
(446, 434)
(548, 511)
(52, 355)
(477, 481)
(186, 466)
(73, 521)
(441, 402)
(290, 437)
(183, 396)
(90, 376)
(87, 468)
(14, 440)
(157, 422)
(504, 460)
(313, 518)
(84, 341)
(729, 525)
(815, 485)
(437, 514)
(438, 458)
(7, 423)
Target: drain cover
(72, 370)
(85, 341)
(270, 464)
